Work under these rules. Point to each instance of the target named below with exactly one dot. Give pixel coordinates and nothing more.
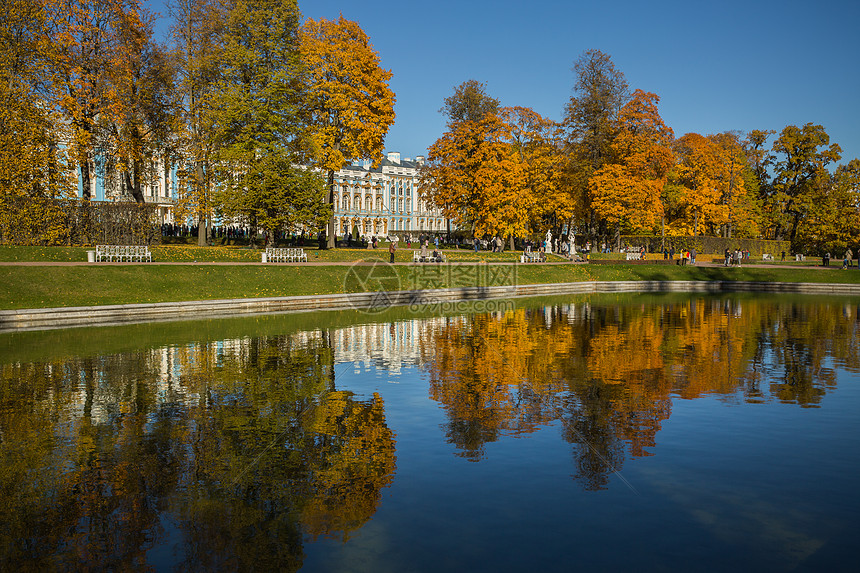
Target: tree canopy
(347, 103)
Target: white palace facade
(378, 201)
(383, 200)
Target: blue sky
(717, 66)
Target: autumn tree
(84, 39)
(534, 200)
(347, 104)
(627, 192)
(739, 187)
(447, 178)
(710, 171)
(141, 100)
(32, 161)
(255, 117)
(498, 175)
(197, 31)
(590, 124)
(801, 157)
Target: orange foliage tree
(497, 175)
(347, 106)
(627, 193)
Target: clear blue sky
(717, 66)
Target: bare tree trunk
(663, 232)
(133, 187)
(85, 180)
(203, 220)
(330, 238)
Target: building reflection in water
(234, 453)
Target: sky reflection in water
(595, 434)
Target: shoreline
(108, 315)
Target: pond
(577, 433)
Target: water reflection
(222, 454)
(608, 373)
(236, 453)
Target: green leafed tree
(469, 102)
(590, 124)
(197, 33)
(255, 116)
(802, 155)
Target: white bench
(417, 257)
(530, 256)
(767, 257)
(123, 253)
(279, 255)
(634, 255)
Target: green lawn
(52, 286)
(192, 253)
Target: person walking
(392, 248)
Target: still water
(588, 433)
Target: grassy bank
(44, 287)
(244, 254)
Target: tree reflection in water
(229, 453)
(608, 373)
(234, 454)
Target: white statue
(549, 240)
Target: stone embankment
(48, 318)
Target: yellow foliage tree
(33, 168)
(348, 105)
(498, 175)
(83, 36)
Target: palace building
(378, 201)
(383, 200)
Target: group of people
(687, 255)
(734, 258)
(846, 259)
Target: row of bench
(530, 256)
(122, 253)
(284, 255)
(418, 257)
(141, 253)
